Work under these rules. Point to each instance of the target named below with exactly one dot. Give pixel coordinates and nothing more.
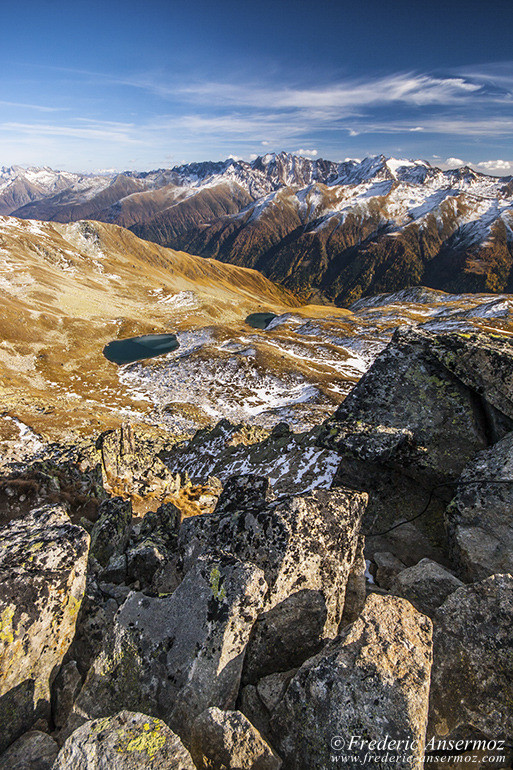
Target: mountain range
(327, 231)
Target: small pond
(137, 348)
(260, 320)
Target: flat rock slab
(43, 560)
(372, 681)
(173, 657)
(126, 741)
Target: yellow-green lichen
(6, 629)
(215, 583)
(150, 741)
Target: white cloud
(454, 162)
(417, 128)
(496, 166)
(306, 153)
(234, 157)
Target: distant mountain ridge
(325, 230)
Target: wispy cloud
(37, 107)
(408, 88)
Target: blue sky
(139, 85)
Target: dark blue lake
(137, 348)
(260, 320)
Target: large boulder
(417, 407)
(126, 741)
(371, 682)
(303, 542)
(33, 751)
(472, 676)
(43, 561)
(426, 585)
(480, 517)
(227, 739)
(177, 655)
(412, 423)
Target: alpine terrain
(328, 231)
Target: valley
(327, 231)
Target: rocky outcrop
(126, 741)
(426, 585)
(303, 542)
(472, 676)
(43, 560)
(227, 739)
(33, 751)
(480, 517)
(131, 466)
(371, 682)
(418, 407)
(193, 641)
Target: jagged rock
(472, 677)
(33, 751)
(143, 561)
(126, 741)
(286, 635)
(116, 569)
(426, 585)
(480, 517)
(227, 739)
(250, 705)
(371, 681)
(356, 588)
(43, 560)
(111, 529)
(303, 542)
(244, 492)
(388, 566)
(175, 656)
(131, 465)
(64, 692)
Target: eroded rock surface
(426, 585)
(303, 542)
(43, 560)
(371, 681)
(33, 751)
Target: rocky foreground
(362, 615)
